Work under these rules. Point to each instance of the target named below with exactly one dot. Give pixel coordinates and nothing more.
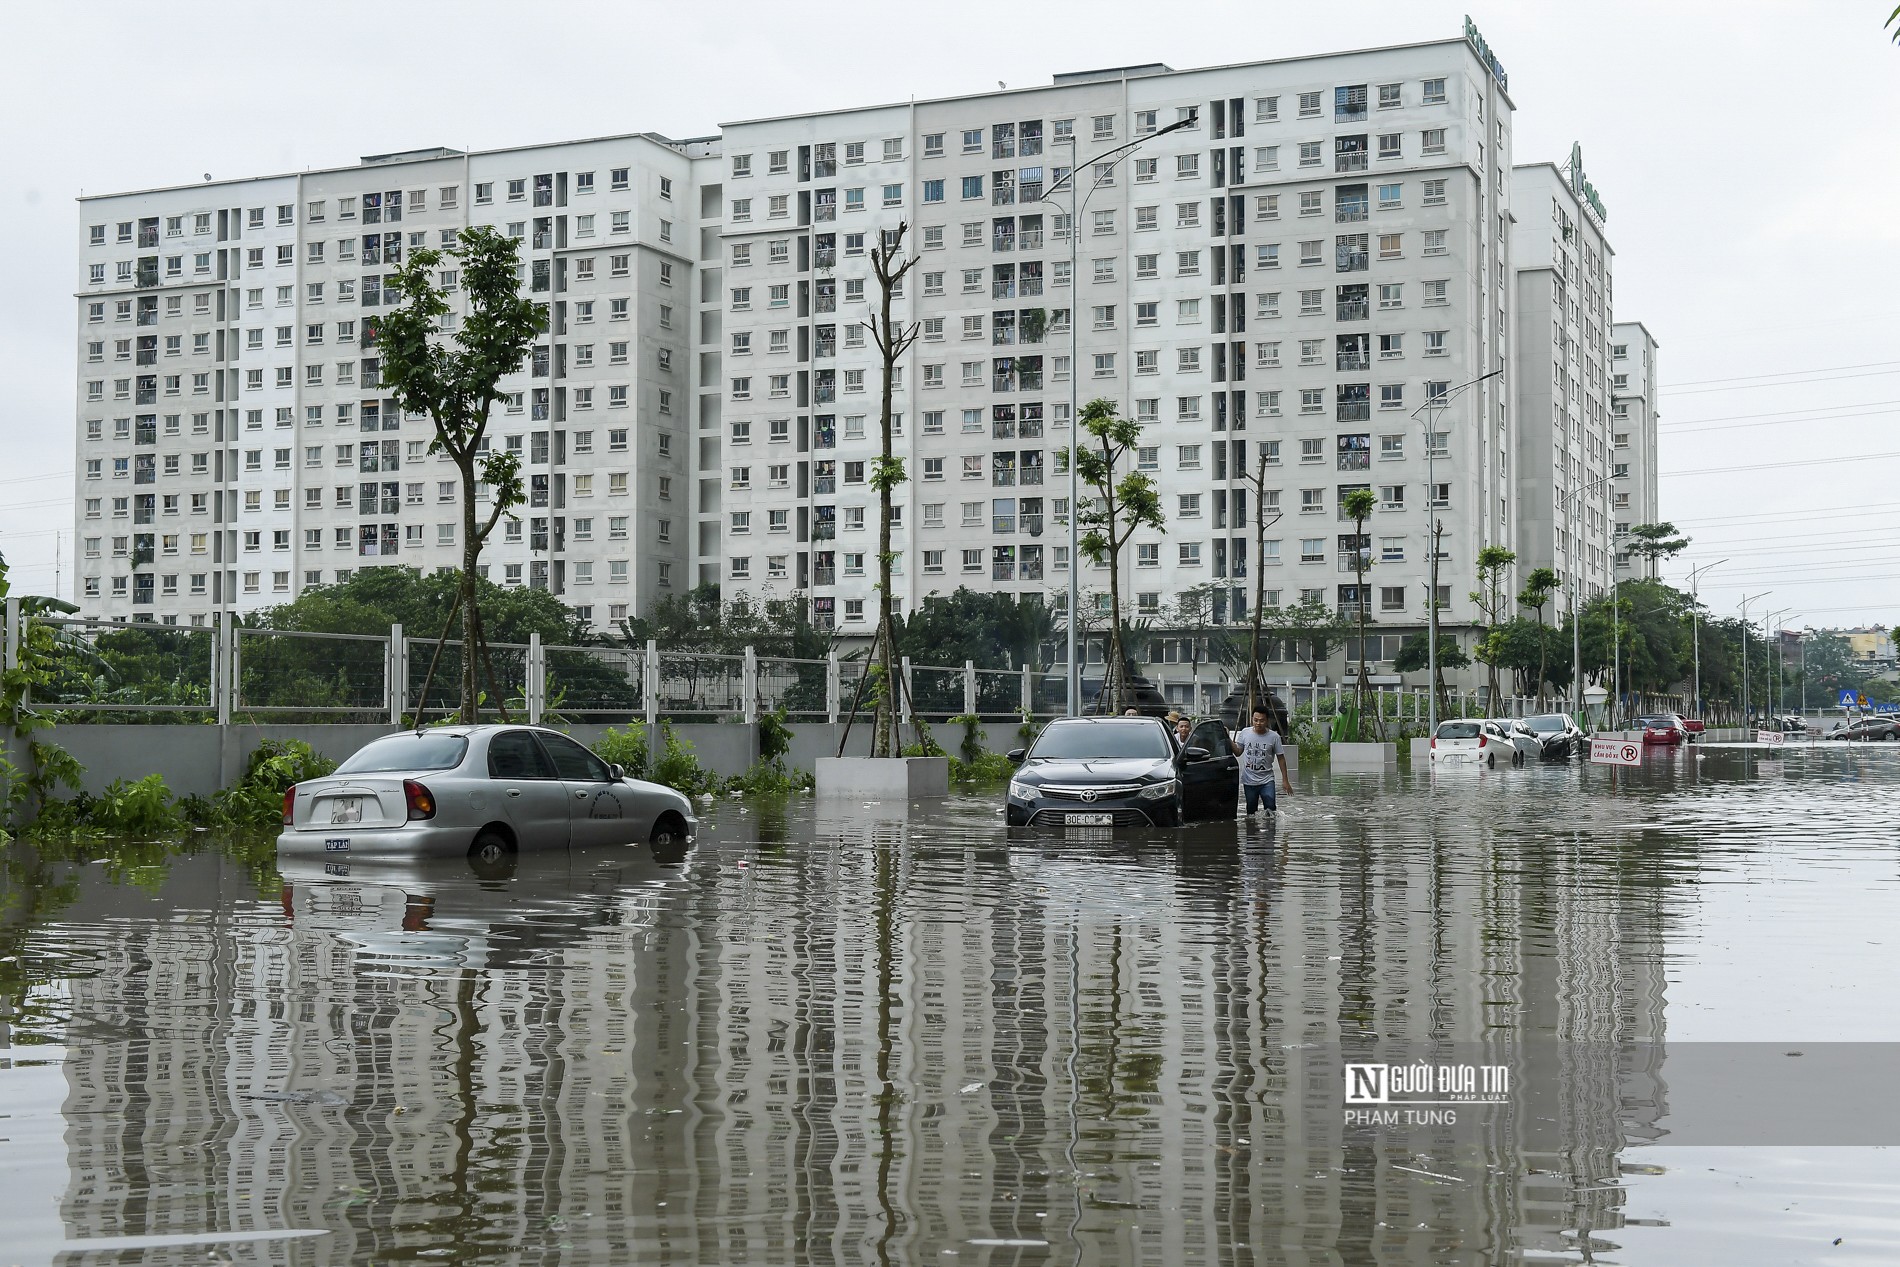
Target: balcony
(1003, 290)
(543, 241)
(147, 278)
(1003, 382)
(824, 394)
(1349, 562)
(1354, 113)
(1348, 361)
(824, 485)
(1355, 310)
(824, 303)
(1353, 411)
(1354, 161)
(148, 317)
(145, 435)
(1031, 381)
(824, 212)
(1002, 241)
(825, 349)
(1030, 525)
(824, 575)
(146, 356)
(1029, 240)
(1355, 460)
(826, 257)
(1350, 213)
(1031, 287)
(1351, 261)
(1002, 570)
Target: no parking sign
(1616, 752)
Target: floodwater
(834, 1035)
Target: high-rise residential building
(1302, 277)
(1276, 287)
(235, 443)
(1561, 367)
(1633, 428)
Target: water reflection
(844, 1033)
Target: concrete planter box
(883, 778)
(1363, 756)
(1421, 750)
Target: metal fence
(121, 670)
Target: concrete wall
(203, 759)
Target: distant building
(1633, 426)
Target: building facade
(235, 444)
(1302, 277)
(1561, 367)
(1272, 290)
(1633, 434)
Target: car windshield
(1099, 741)
(1655, 721)
(423, 751)
(1544, 725)
(1457, 730)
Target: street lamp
(1568, 501)
(1434, 408)
(1695, 627)
(1766, 620)
(1745, 603)
(1075, 370)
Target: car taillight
(290, 803)
(421, 800)
(1481, 739)
(1434, 742)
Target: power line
(1743, 378)
(1778, 413)
(1777, 466)
(1773, 422)
(1860, 510)
(1793, 382)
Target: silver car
(1515, 735)
(480, 791)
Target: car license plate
(1453, 758)
(1088, 820)
(336, 844)
(346, 809)
(336, 868)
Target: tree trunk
(471, 616)
(1255, 689)
(884, 737)
(1359, 590)
(1543, 654)
(1113, 685)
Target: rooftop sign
(1581, 186)
(1485, 54)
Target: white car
(1467, 741)
(1524, 744)
(478, 791)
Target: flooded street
(831, 1035)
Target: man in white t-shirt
(1258, 748)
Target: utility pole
(1745, 603)
(1695, 627)
(1780, 695)
(1075, 371)
(1434, 409)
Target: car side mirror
(1015, 755)
(1195, 754)
(615, 774)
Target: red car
(1692, 727)
(1661, 728)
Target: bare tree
(893, 338)
(1256, 685)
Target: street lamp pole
(1075, 370)
(1766, 621)
(1745, 603)
(1434, 408)
(1695, 628)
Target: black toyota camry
(1101, 772)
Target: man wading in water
(1258, 747)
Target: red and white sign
(1771, 737)
(1616, 752)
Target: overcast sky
(1745, 151)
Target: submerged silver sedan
(480, 791)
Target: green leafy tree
(1539, 586)
(893, 338)
(1827, 667)
(452, 377)
(1312, 632)
(1655, 542)
(1119, 507)
(1414, 655)
(1358, 506)
(1494, 565)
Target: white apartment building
(1562, 370)
(1633, 429)
(235, 448)
(1291, 275)
(1324, 246)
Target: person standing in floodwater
(1258, 748)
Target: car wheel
(669, 833)
(492, 856)
(1888, 735)
(1492, 761)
